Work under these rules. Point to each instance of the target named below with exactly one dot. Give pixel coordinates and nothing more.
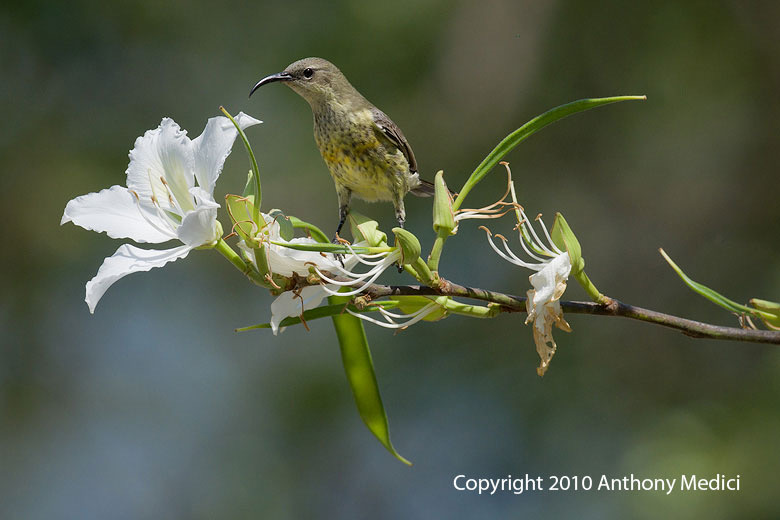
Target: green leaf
(713, 296)
(525, 131)
(286, 228)
(360, 373)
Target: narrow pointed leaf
(528, 129)
(360, 373)
(713, 296)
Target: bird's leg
(344, 195)
(400, 215)
(400, 211)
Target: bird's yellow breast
(356, 157)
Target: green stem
(436, 250)
(262, 260)
(465, 309)
(255, 168)
(234, 258)
(586, 284)
(424, 274)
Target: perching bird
(366, 153)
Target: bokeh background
(155, 408)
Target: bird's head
(315, 79)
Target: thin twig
(510, 303)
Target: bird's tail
(425, 189)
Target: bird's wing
(391, 131)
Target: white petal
(289, 304)
(128, 259)
(114, 211)
(165, 152)
(212, 147)
(546, 281)
(198, 227)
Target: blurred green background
(155, 408)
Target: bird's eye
(307, 73)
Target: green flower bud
(770, 312)
(409, 245)
(563, 237)
(443, 216)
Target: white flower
(161, 202)
(552, 267)
(544, 307)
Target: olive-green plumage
(366, 153)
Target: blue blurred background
(155, 408)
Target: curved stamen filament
(547, 234)
(525, 242)
(419, 315)
(537, 243)
(349, 293)
(164, 216)
(355, 277)
(518, 261)
(497, 250)
(362, 258)
(169, 232)
(388, 314)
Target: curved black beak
(281, 76)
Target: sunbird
(366, 153)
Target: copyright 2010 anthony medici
(567, 483)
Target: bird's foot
(339, 256)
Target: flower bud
(770, 312)
(408, 244)
(443, 216)
(563, 237)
